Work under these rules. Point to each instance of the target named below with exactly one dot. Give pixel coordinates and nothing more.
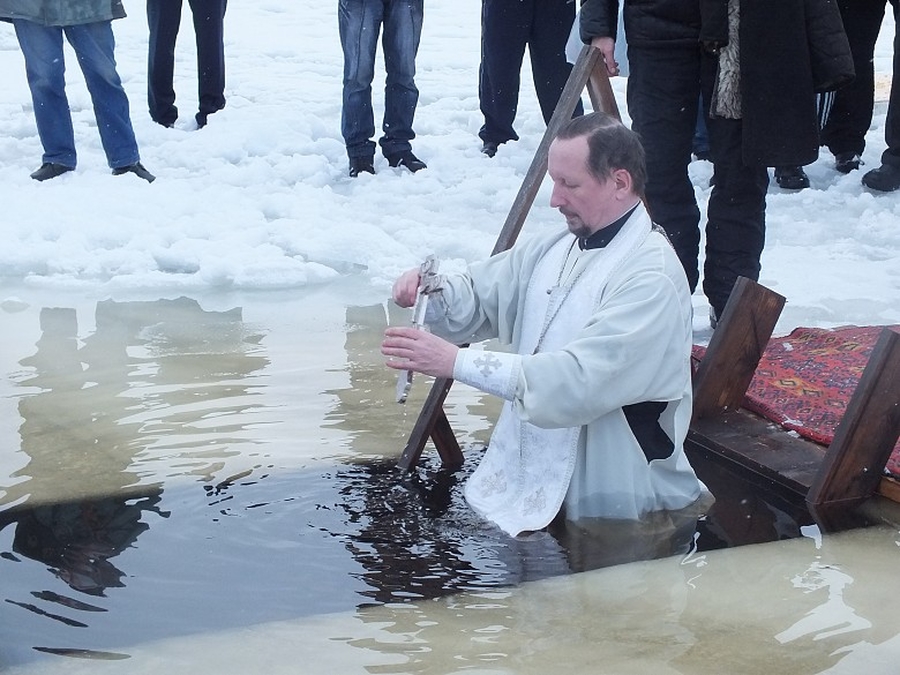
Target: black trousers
(164, 18)
(851, 114)
(664, 91)
(507, 27)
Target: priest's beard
(577, 226)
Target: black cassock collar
(602, 237)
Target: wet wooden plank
(889, 487)
(761, 448)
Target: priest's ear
(624, 182)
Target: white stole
(523, 477)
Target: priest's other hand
(419, 351)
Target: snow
(260, 199)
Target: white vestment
(589, 332)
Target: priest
(594, 324)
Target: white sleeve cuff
(496, 373)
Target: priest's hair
(611, 146)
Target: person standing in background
(164, 19)
(507, 27)
(360, 22)
(794, 177)
(757, 82)
(87, 26)
(851, 115)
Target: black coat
(790, 49)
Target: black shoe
(884, 179)
(407, 159)
(489, 148)
(137, 169)
(791, 177)
(359, 165)
(845, 162)
(166, 118)
(50, 170)
(202, 116)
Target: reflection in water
(365, 412)
(416, 538)
(74, 425)
(154, 379)
(834, 616)
(158, 387)
(743, 513)
(77, 539)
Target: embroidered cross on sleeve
(487, 364)
(492, 372)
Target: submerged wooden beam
(432, 422)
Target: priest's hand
(406, 288)
(419, 351)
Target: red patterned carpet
(805, 380)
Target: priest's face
(587, 203)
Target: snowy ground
(260, 198)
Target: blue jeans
(164, 19)
(360, 22)
(94, 45)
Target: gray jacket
(62, 12)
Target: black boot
(845, 162)
(885, 178)
(50, 170)
(407, 159)
(137, 169)
(791, 177)
(489, 148)
(360, 165)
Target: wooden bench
(831, 480)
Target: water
(208, 485)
